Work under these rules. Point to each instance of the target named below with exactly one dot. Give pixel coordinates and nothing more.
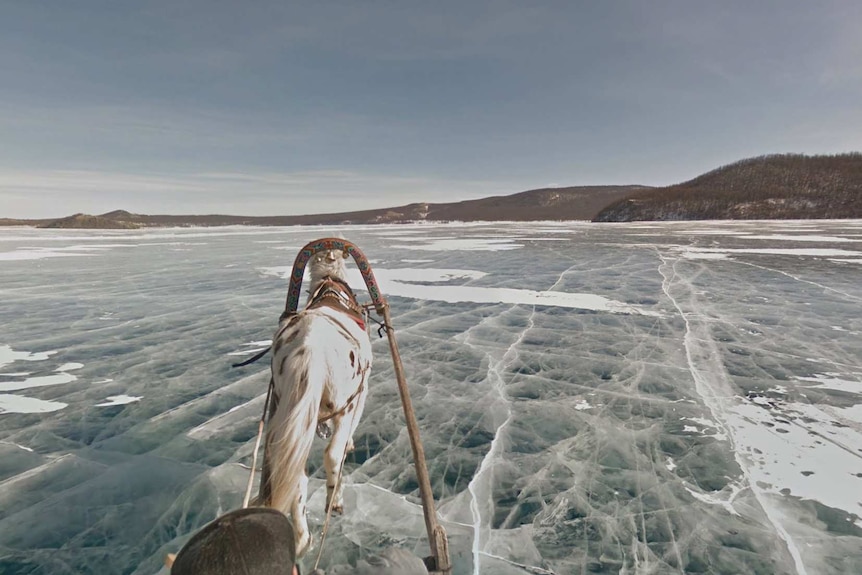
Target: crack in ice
(713, 400)
(494, 376)
(799, 279)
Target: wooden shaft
(436, 533)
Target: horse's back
(324, 332)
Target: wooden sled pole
(436, 533)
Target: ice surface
(591, 399)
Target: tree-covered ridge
(781, 186)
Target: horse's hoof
(303, 545)
(337, 509)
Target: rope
(337, 483)
(384, 328)
(247, 497)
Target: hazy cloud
(33, 194)
(410, 98)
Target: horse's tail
(300, 387)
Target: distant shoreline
(774, 187)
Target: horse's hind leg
(264, 496)
(354, 419)
(300, 523)
(333, 457)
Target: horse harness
(335, 293)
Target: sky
(283, 108)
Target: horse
(321, 358)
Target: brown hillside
(786, 186)
(85, 221)
(574, 203)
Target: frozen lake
(593, 398)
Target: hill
(573, 203)
(16, 222)
(788, 186)
(84, 221)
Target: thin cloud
(187, 107)
(55, 193)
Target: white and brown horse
(321, 358)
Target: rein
(347, 403)
(247, 497)
(325, 529)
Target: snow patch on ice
(829, 381)
(62, 376)
(821, 252)
(797, 449)
(8, 355)
(845, 260)
(26, 253)
(254, 347)
(802, 238)
(412, 275)
(714, 233)
(119, 400)
(18, 404)
(69, 366)
(397, 282)
(692, 255)
(463, 244)
(39, 381)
